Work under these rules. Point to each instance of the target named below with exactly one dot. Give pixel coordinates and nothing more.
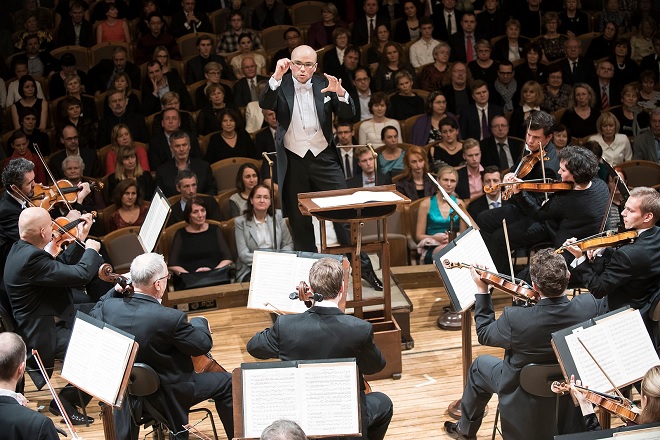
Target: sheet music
(154, 221)
(470, 249)
(639, 434)
(357, 198)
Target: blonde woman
(616, 146)
(581, 116)
(531, 98)
(127, 166)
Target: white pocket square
(326, 99)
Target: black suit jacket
(501, 48)
(159, 150)
(650, 62)
(331, 64)
(135, 122)
(439, 24)
(89, 157)
(361, 32)
(19, 422)
(178, 28)
(100, 75)
(480, 205)
(66, 34)
(356, 180)
(585, 72)
(614, 95)
(265, 142)
(195, 68)
(10, 210)
(470, 120)
(457, 44)
(491, 156)
(242, 91)
(166, 173)
(151, 103)
(463, 185)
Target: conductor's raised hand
(334, 85)
(283, 65)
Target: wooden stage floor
(430, 381)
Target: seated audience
(121, 137)
(18, 142)
(632, 119)
(531, 98)
(449, 149)
(254, 117)
(75, 29)
(320, 33)
(119, 114)
(180, 151)
(573, 22)
(490, 176)
(375, 52)
(421, 52)
(157, 84)
(162, 55)
(170, 100)
(157, 36)
(390, 158)
(56, 86)
(159, 145)
(405, 103)
(270, 13)
(27, 90)
(127, 166)
(131, 211)
(36, 137)
(20, 69)
(391, 63)
(371, 129)
(407, 28)
(112, 29)
(531, 69)
(511, 47)
(427, 127)
(552, 43)
(70, 110)
(431, 76)
(207, 119)
(366, 174)
(247, 177)
(469, 177)
(68, 137)
(483, 67)
(186, 186)
(195, 66)
(581, 115)
(246, 49)
(500, 149)
(603, 45)
(625, 69)
(649, 98)
(555, 93)
(121, 82)
(189, 20)
(645, 144)
(232, 141)
(616, 146)
(560, 136)
(229, 39)
(213, 73)
(333, 59)
(415, 182)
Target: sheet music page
(587, 370)
(469, 249)
(357, 198)
(274, 276)
(338, 390)
(269, 394)
(154, 221)
(639, 434)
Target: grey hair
(12, 355)
(15, 172)
(146, 268)
(283, 430)
(75, 158)
(180, 134)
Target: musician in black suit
(307, 159)
(445, 11)
(524, 334)
(75, 30)
(490, 176)
(574, 67)
(362, 24)
(16, 420)
(167, 341)
(499, 149)
(629, 274)
(325, 332)
(367, 175)
(38, 288)
(475, 119)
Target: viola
(106, 273)
(304, 293)
(531, 186)
(65, 232)
(48, 196)
(607, 239)
(529, 161)
(616, 405)
(520, 291)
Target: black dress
(579, 127)
(219, 149)
(403, 107)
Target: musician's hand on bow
(476, 277)
(84, 192)
(282, 66)
(334, 85)
(573, 249)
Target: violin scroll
(106, 274)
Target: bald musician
(524, 333)
(38, 289)
(629, 274)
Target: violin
(607, 239)
(48, 196)
(65, 232)
(615, 405)
(520, 291)
(530, 185)
(529, 161)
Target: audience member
(427, 127)
(474, 118)
(456, 88)
(344, 137)
(18, 142)
(531, 99)
(560, 136)
(605, 87)
(320, 33)
(196, 66)
(103, 74)
(36, 138)
(573, 22)
(112, 29)
(20, 69)
(646, 144)
(649, 98)
(229, 39)
(505, 87)
(27, 91)
(69, 138)
(157, 36)
(56, 87)
(490, 176)
(366, 175)
(405, 103)
(499, 149)
(127, 166)
(408, 28)
(232, 140)
(362, 89)
(75, 30)
(293, 39)
(530, 18)
(33, 38)
(463, 42)
(247, 177)
(446, 19)
(432, 76)
(552, 42)
(576, 68)
(449, 149)
(121, 138)
(469, 177)
(391, 63)
(532, 69)
(511, 47)
(71, 113)
(223, 22)
(334, 59)
(555, 92)
(246, 50)
(119, 114)
(181, 159)
(213, 75)
(375, 52)
(245, 89)
(270, 13)
(390, 158)
(581, 115)
(365, 25)
(131, 210)
(491, 20)
(159, 146)
(483, 67)
(632, 119)
(157, 84)
(207, 119)
(170, 100)
(652, 62)
(625, 69)
(421, 51)
(415, 182)
(186, 185)
(189, 20)
(370, 130)
(616, 146)
(602, 46)
(614, 14)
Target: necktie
(603, 98)
(449, 29)
(371, 29)
(485, 129)
(253, 90)
(470, 56)
(504, 160)
(574, 67)
(347, 166)
(495, 205)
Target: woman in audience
(199, 246)
(254, 230)
(555, 92)
(320, 33)
(436, 219)
(148, 6)
(246, 48)
(581, 115)
(27, 89)
(391, 63)
(642, 42)
(70, 113)
(531, 69)
(632, 119)
(415, 183)
(407, 29)
(32, 27)
(560, 136)
(511, 47)
(432, 75)
(232, 141)
(370, 129)
(127, 166)
(449, 150)
(531, 98)
(74, 89)
(625, 69)
(332, 64)
(616, 146)
(390, 158)
(603, 45)
(121, 137)
(427, 127)
(131, 211)
(113, 28)
(613, 13)
(162, 55)
(572, 21)
(484, 68)
(122, 83)
(649, 98)
(247, 178)
(552, 43)
(375, 52)
(405, 103)
(207, 119)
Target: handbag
(213, 277)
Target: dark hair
(153, 63)
(105, 7)
(351, 48)
(239, 175)
(67, 102)
(377, 98)
(21, 84)
(538, 120)
(196, 200)
(340, 31)
(561, 127)
(155, 14)
(232, 113)
(490, 169)
(398, 48)
(184, 174)
(594, 147)
(343, 123)
(291, 29)
(249, 210)
(15, 171)
(67, 60)
(505, 63)
(203, 38)
(430, 99)
(580, 162)
(386, 129)
(121, 188)
(245, 35)
(549, 272)
(532, 46)
(25, 112)
(18, 134)
(447, 121)
(425, 20)
(234, 13)
(477, 84)
(553, 68)
(643, 76)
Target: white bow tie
(300, 87)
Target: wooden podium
(387, 333)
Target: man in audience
(446, 19)
(574, 67)
(69, 138)
(474, 119)
(120, 115)
(346, 71)
(365, 26)
(530, 18)
(652, 61)
(156, 84)
(245, 89)
(607, 90)
(469, 177)
(367, 175)
(39, 62)
(159, 145)
(336, 335)
(349, 161)
(456, 92)
(499, 149)
(647, 145)
(56, 88)
(195, 65)
(147, 43)
(31, 8)
(491, 20)
(362, 82)
(102, 75)
(20, 70)
(186, 185)
(505, 89)
(75, 30)
(270, 13)
(293, 40)
(188, 20)
(489, 176)
(229, 40)
(463, 43)
(181, 160)
(16, 420)
(421, 52)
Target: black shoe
(76, 417)
(372, 279)
(451, 428)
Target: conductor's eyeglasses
(300, 64)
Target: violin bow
(508, 250)
(616, 389)
(50, 174)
